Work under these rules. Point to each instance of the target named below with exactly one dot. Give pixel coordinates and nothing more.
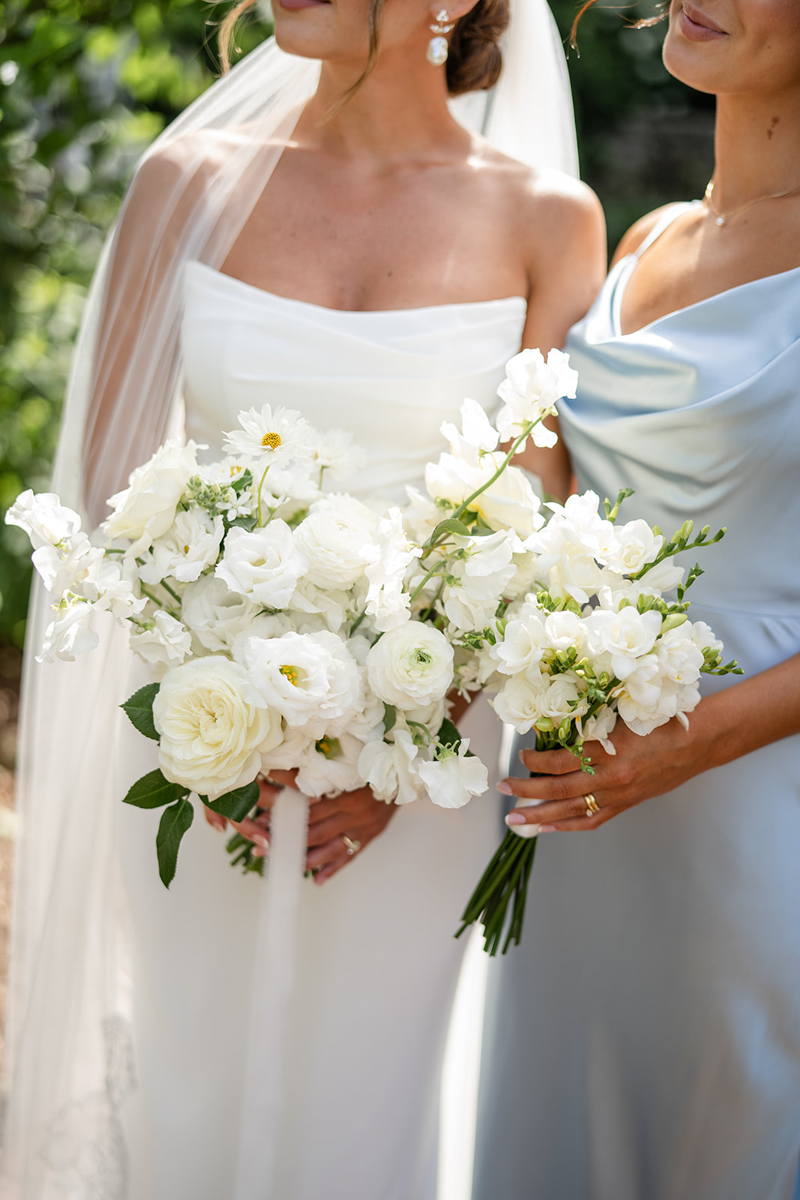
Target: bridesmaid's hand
(357, 816)
(641, 768)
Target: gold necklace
(723, 218)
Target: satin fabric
(377, 961)
(644, 1041)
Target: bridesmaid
(644, 1042)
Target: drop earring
(437, 46)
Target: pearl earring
(437, 46)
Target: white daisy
(273, 435)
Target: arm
(724, 726)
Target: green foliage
(139, 710)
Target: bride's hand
(357, 816)
(257, 829)
(642, 767)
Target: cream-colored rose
(212, 727)
(146, 509)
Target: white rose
(44, 518)
(163, 641)
(411, 666)
(264, 565)
(146, 509)
(626, 636)
(454, 779)
(336, 538)
(212, 726)
(189, 546)
(215, 614)
(388, 768)
(310, 679)
(530, 391)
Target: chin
(703, 66)
(304, 32)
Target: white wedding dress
(377, 963)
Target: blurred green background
(86, 84)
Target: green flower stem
(150, 596)
(260, 486)
(172, 593)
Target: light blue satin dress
(644, 1041)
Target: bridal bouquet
(288, 625)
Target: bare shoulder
(641, 229)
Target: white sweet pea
(390, 558)
(44, 518)
(411, 665)
(453, 779)
(189, 546)
(61, 566)
(72, 632)
(420, 515)
(508, 503)
(626, 636)
(390, 769)
(477, 435)
(212, 726)
(215, 614)
(310, 679)
(264, 565)
(162, 642)
(274, 436)
(471, 603)
(111, 584)
(636, 545)
(336, 538)
(530, 391)
(147, 507)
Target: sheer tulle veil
(68, 1058)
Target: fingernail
(505, 788)
(515, 819)
(261, 841)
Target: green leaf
(153, 791)
(174, 823)
(448, 735)
(450, 525)
(235, 805)
(389, 717)
(139, 710)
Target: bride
(319, 230)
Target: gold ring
(351, 845)
(592, 806)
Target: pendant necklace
(723, 218)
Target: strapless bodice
(388, 377)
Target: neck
(756, 146)
(398, 114)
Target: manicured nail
(261, 841)
(515, 819)
(505, 788)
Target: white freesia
(163, 642)
(263, 565)
(189, 546)
(145, 510)
(636, 545)
(44, 518)
(566, 631)
(274, 436)
(336, 538)
(454, 779)
(530, 391)
(564, 697)
(703, 637)
(680, 657)
(390, 769)
(212, 726)
(390, 557)
(215, 614)
(310, 679)
(524, 642)
(411, 665)
(518, 702)
(626, 636)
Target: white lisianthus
(626, 635)
(564, 697)
(477, 435)
(72, 632)
(278, 436)
(212, 726)
(336, 538)
(264, 565)
(523, 643)
(44, 518)
(215, 614)
(310, 679)
(636, 546)
(189, 546)
(390, 769)
(530, 391)
(453, 779)
(326, 766)
(147, 507)
(163, 641)
(518, 702)
(411, 665)
(508, 503)
(600, 727)
(390, 558)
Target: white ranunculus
(390, 769)
(453, 779)
(523, 643)
(215, 614)
(264, 565)
(336, 537)
(518, 702)
(163, 641)
(411, 665)
(72, 632)
(147, 507)
(212, 726)
(508, 503)
(563, 698)
(636, 546)
(477, 435)
(44, 518)
(310, 679)
(274, 436)
(625, 635)
(189, 546)
(566, 631)
(531, 389)
(600, 727)
(390, 557)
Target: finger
(215, 820)
(253, 831)
(554, 812)
(549, 762)
(548, 787)
(335, 826)
(585, 825)
(267, 794)
(349, 802)
(336, 857)
(284, 778)
(322, 856)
